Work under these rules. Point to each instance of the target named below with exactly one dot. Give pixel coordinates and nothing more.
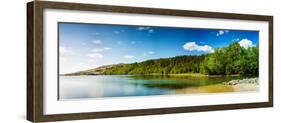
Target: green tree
(232, 59)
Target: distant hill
(95, 71)
(173, 65)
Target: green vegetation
(175, 65)
(233, 59)
(230, 60)
(188, 75)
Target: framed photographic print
(96, 61)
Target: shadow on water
(97, 86)
(177, 82)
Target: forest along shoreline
(232, 60)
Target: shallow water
(97, 86)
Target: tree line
(229, 60)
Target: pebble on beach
(243, 81)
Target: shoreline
(248, 84)
(254, 80)
(158, 74)
(244, 85)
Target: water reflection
(77, 87)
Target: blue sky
(85, 46)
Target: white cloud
(95, 55)
(107, 48)
(129, 56)
(143, 28)
(246, 43)
(97, 41)
(100, 49)
(92, 60)
(144, 54)
(116, 32)
(150, 52)
(221, 32)
(64, 50)
(119, 42)
(192, 46)
(97, 50)
(205, 48)
(84, 44)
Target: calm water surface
(96, 86)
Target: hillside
(178, 64)
(95, 71)
(173, 65)
(229, 60)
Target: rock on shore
(243, 81)
(244, 85)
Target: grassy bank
(194, 75)
(189, 74)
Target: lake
(97, 86)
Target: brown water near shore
(219, 88)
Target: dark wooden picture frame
(35, 60)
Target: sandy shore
(251, 84)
